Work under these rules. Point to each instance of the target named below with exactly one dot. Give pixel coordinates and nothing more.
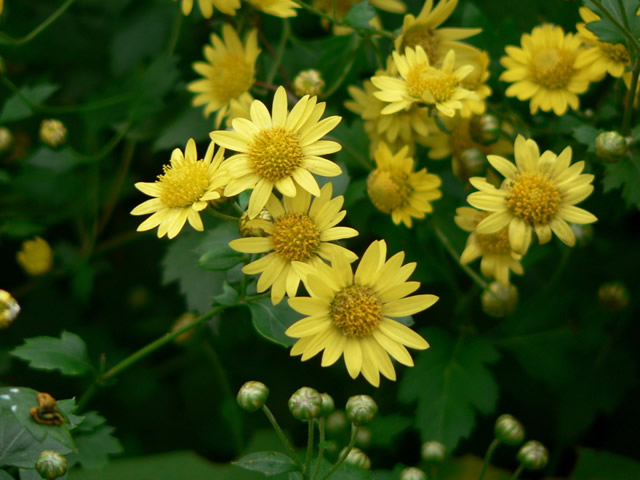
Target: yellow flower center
(233, 76)
(533, 198)
(423, 78)
(552, 67)
(183, 184)
(356, 311)
(275, 153)
(617, 53)
(295, 237)
(425, 37)
(388, 190)
(497, 243)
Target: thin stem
(279, 54)
(175, 33)
(517, 473)
(631, 96)
(487, 457)
(36, 31)
(307, 458)
(221, 215)
(321, 439)
(281, 435)
(345, 452)
(100, 154)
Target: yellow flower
(300, 231)
(229, 71)
(423, 83)
(53, 132)
(551, 68)
(423, 31)
(35, 256)
(539, 193)
(278, 8)
(604, 57)
(494, 248)
(206, 6)
(350, 314)
(279, 150)
(475, 82)
(395, 188)
(182, 191)
(9, 306)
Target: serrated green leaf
(15, 108)
(220, 257)
(67, 354)
(625, 175)
(597, 465)
(360, 15)
(271, 321)
(269, 463)
(228, 297)
(459, 386)
(586, 134)
(5, 476)
(386, 428)
(95, 442)
(158, 79)
(58, 161)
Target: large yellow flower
(538, 194)
(423, 83)
(278, 8)
(551, 68)
(300, 230)
(182, 191)
(229, 71)
(280, 150)
(494, 248)
(395, 188)
(206, 6)
(350, 314)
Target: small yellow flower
(350, 314)
(229, 72)
(9, 309)
(206, 6)
(308, 82)
(53, 132)
(494, 248)
(395, 188)
(277, 8)
(551, 68)
(182, 191)
(280, 149)
(35, 256)
(538, 194)
(300, 230)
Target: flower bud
(9, 309)
(611, 146)
(53, 132)
(485, 129)
(252, 396)
(509, 430)
(533, 455)
(51, 464)
(308, 82)
(305, 404)
(184, 321)
(337, 422)
(471, 162)
(35, 256)
(245, 224)
(412, 473)
(357, 458)
(361, 409)
(498, 300)
(328, 405)
(6, 139)
(433, 452)
(613, 296)
(363, 437)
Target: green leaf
(95, 442)
(32, 474)
(5, 476)
(67, 354)
(385, 429)
(269, 463)
(625, 175)
(360, 16)
(586, 134)
(58, 161)
(594, 465)
(271, 321)
(228, 297)
(459, 385)
(220, 257)
(189, 124)
(158, 79)
(15, 108)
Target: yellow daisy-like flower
(206, 7)
(475, 82)
(551, 68)
(277, 8)
(182, 191)
(423, 83)
(423, 31)
(494, 248)
(300, 231)
(35, 256)
(604, 57)
(229, 71)
(350, 314)
(280, 150)
(395, 188)
(539, 193)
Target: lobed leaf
(269, 463)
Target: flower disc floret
(534, 198)
(183, 184)
(552, 67)
(275, 153)
(356, 311)
(295, 237)
(388, 190)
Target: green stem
(279, 53)
(517, 473)
(345, 452)
(321, 439)
(487, 457)
(307, 458)
(221, 215)
(36, 31)
(631, 96)
(281, 435)
(109, 146)
(175, 33)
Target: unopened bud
(613, 296)
(433, 452)
(363, 437)
(35, 256)
(509, 430)
(252, 396)
(183, 321)
(611, 146)
(485, 129)
(246, 228)
(51, 464)
(9, 309)
(361, 409)
(305, 404)
(498, 300)
(308, 82)
(6, 139)
(337, 422)
(533, 455)
(412, 473)
(328, 405)
(357, 458)
(470, 163)
(53, 132)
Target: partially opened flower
(300, 230)
(277, 8)
(351, 315)
(538, 194)
(182, 191)
(280, 149)
(206, 6)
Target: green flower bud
(357, 458)
(308, 82)
(361, 409)
(51, 464)
(611, 146)
(305, 404)
(337, 422)
(433, 452)
(53, 132)
(252, 396)
(613, 296)
(363, 437)
(498, 300)
(533, 455)
(6, 139)
(328, 405)
(470, 163)
(485, 129)
(509, 430)
(9, 309)
(412, 473)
